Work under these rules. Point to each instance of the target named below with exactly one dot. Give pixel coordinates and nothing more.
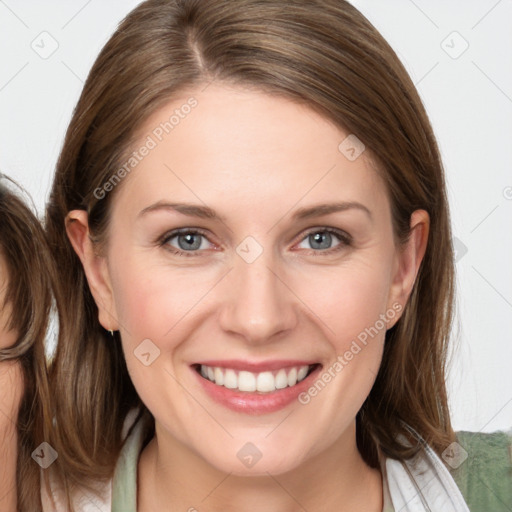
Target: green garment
(484, 478)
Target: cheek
(348, 299)
(150, 302)
(352, 304)
(146, 308)
(11, 384)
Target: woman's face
(261, 293)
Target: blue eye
(190, 242)
(321, 238)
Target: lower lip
(255, 403)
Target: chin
(248, 461)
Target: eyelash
(344, 238)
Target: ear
(408, 260)
(95, 267)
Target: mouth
(255, 389)
(267, 381)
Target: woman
(209, 359)
(26, 299)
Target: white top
(420, 484)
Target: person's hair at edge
(324, 54)
(29, 294)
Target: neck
(173, 477)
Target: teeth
(230, 379)
(246, 381)
(219, 376)
(292, 377)
(303, 370)
(281, 379)
(264, 382)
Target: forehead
(245, 146)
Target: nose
(258, 304)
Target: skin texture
(11, 386)
(255, 159)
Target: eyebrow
(204, 212)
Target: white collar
(421, 484)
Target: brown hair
(321, 53)
(29, 295)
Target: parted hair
(320, 53)
(28, 293)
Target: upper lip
(255, 367)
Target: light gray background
(48, 48)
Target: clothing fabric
(421, 484)
(485, 476)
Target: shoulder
(82, 500)
(422, 483)
(482, 468)
(101, 499)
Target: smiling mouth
(255, 382)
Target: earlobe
(409, 259)
(95, 267)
